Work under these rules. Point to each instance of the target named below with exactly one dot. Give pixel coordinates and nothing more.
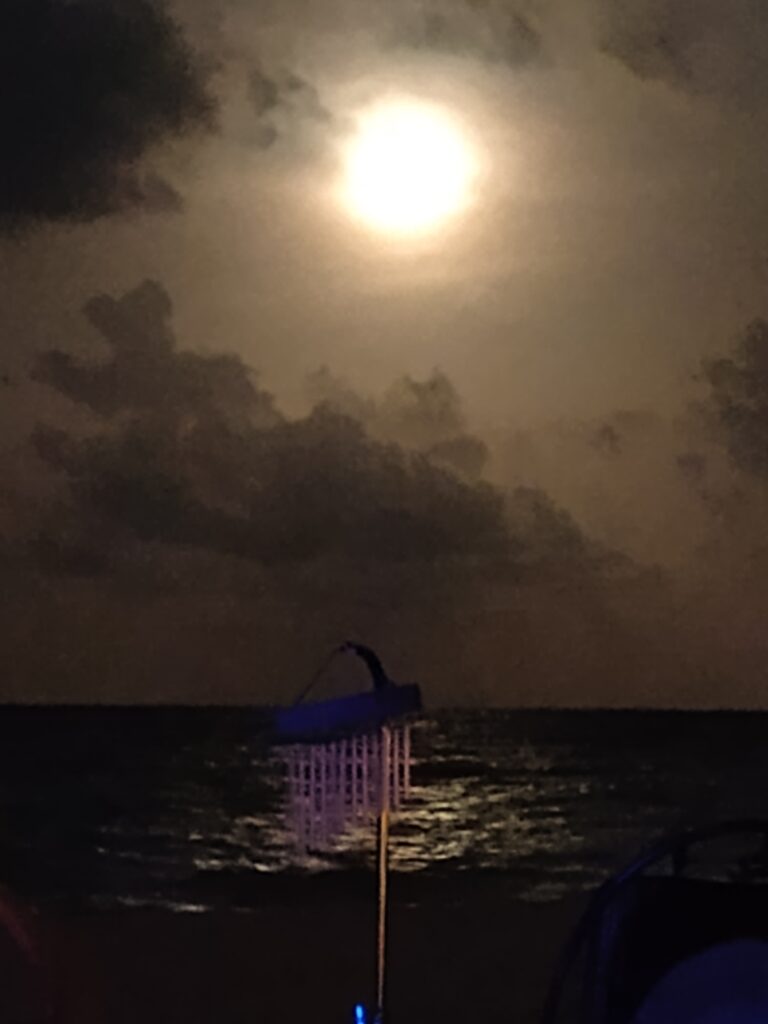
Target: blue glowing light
(359, 1014)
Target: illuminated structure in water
(345, 782)
(348, 761)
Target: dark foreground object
(485, 958)
(674, 948)
(356, 715)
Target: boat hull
(358, 714)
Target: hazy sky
(618, 235)
(620, 232)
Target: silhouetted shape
(86, 89)
(193, 452)
(643, 937)
(738, 399)
(341, 716)
(378, 675)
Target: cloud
(703, 48)
(291, 106)
(651, 39)
(421, 415)
(187, 450)
(323, 387)
(146, 376)
(284, 103)
(494, 32)
(737, 402)
(86, 90)
(190, 511)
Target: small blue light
(359, 1014)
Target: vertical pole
(323, 795)
(293, 789)
(344, 758)
(365, 774)
(306, 796)
(394, 768)
(335, 818)
(354, 784)
(313, 773)
(382, 863)
(406, 760)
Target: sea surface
(182, 808)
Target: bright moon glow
(408, 169)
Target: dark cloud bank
(87, 89)
(198, 544)
(191, 520)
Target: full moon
(408, 168)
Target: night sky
(524, 454)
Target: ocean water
(183, 808)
